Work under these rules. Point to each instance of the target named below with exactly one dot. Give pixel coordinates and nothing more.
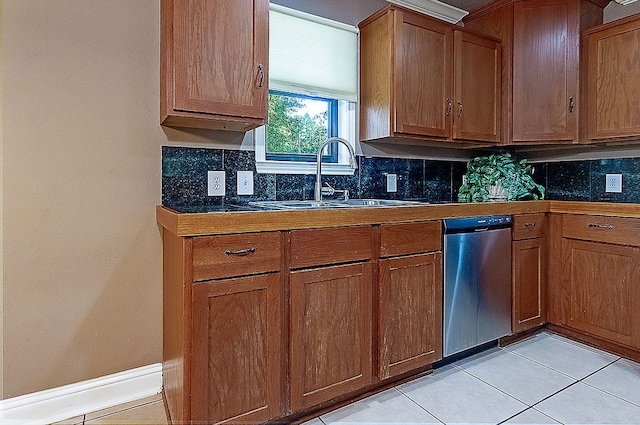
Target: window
(298, 124)
(313, 81)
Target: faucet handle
(328, 190)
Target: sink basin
(332, 203)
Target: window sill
(281, 167)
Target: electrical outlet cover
(613, 183)
(245, 183)
(392, 182)
(216, 183)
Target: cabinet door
(236, 350)
(601, 286)
(409, 313)
(477, 109)
(220, 53)
(545, 70)
(529, 284)
(330, 345)
(613, 82)
(423, 76)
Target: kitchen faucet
(352, 163)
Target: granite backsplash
(184, 179)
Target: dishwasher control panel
(455, 225)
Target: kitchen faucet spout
(352, 163)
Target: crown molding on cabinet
(433, 8)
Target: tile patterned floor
(146, 411)
(545, 379)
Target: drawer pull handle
(241, 252)
(529, 224)
(601, 226)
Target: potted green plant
(499, 177)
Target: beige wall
(82, 176)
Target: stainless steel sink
(333, 203)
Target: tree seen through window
(297, 124)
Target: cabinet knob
(449, 105)
(260, 75)
(241, 252)
(459, 109)
(529, 224)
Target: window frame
(347, 129)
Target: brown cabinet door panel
(545, 70)
(423, 79)
(409, 313)
(529, 284)
(601, 282)
(330, 345)
(236, 350)
(477, 106)
(220, 49)
(613, 83)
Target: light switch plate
(216, 183)
(245, 183)
(392, 182)
(613, 183)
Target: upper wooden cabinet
(477, 109)
(415, 85)
(541, 64)
(214, 63)
(613, 80)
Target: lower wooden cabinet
(529, 276)
(409, 313)
(602, 286)
(330, 341)
(236, 373)
(529, 269)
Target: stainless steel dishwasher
(477, 281)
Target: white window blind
(312, 55)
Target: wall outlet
(245, 183)
(613, 183)
(216, 183)
(392, 182)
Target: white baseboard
(56, 404)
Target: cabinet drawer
(410, 238)
(316, 247)
(528, 226)
(234, 255)
(616, 230)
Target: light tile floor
(545, 379)
(146, 411)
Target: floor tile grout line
(544, 365)
(603, 390)
(419, 405)
(512, 396)
(84, 420)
